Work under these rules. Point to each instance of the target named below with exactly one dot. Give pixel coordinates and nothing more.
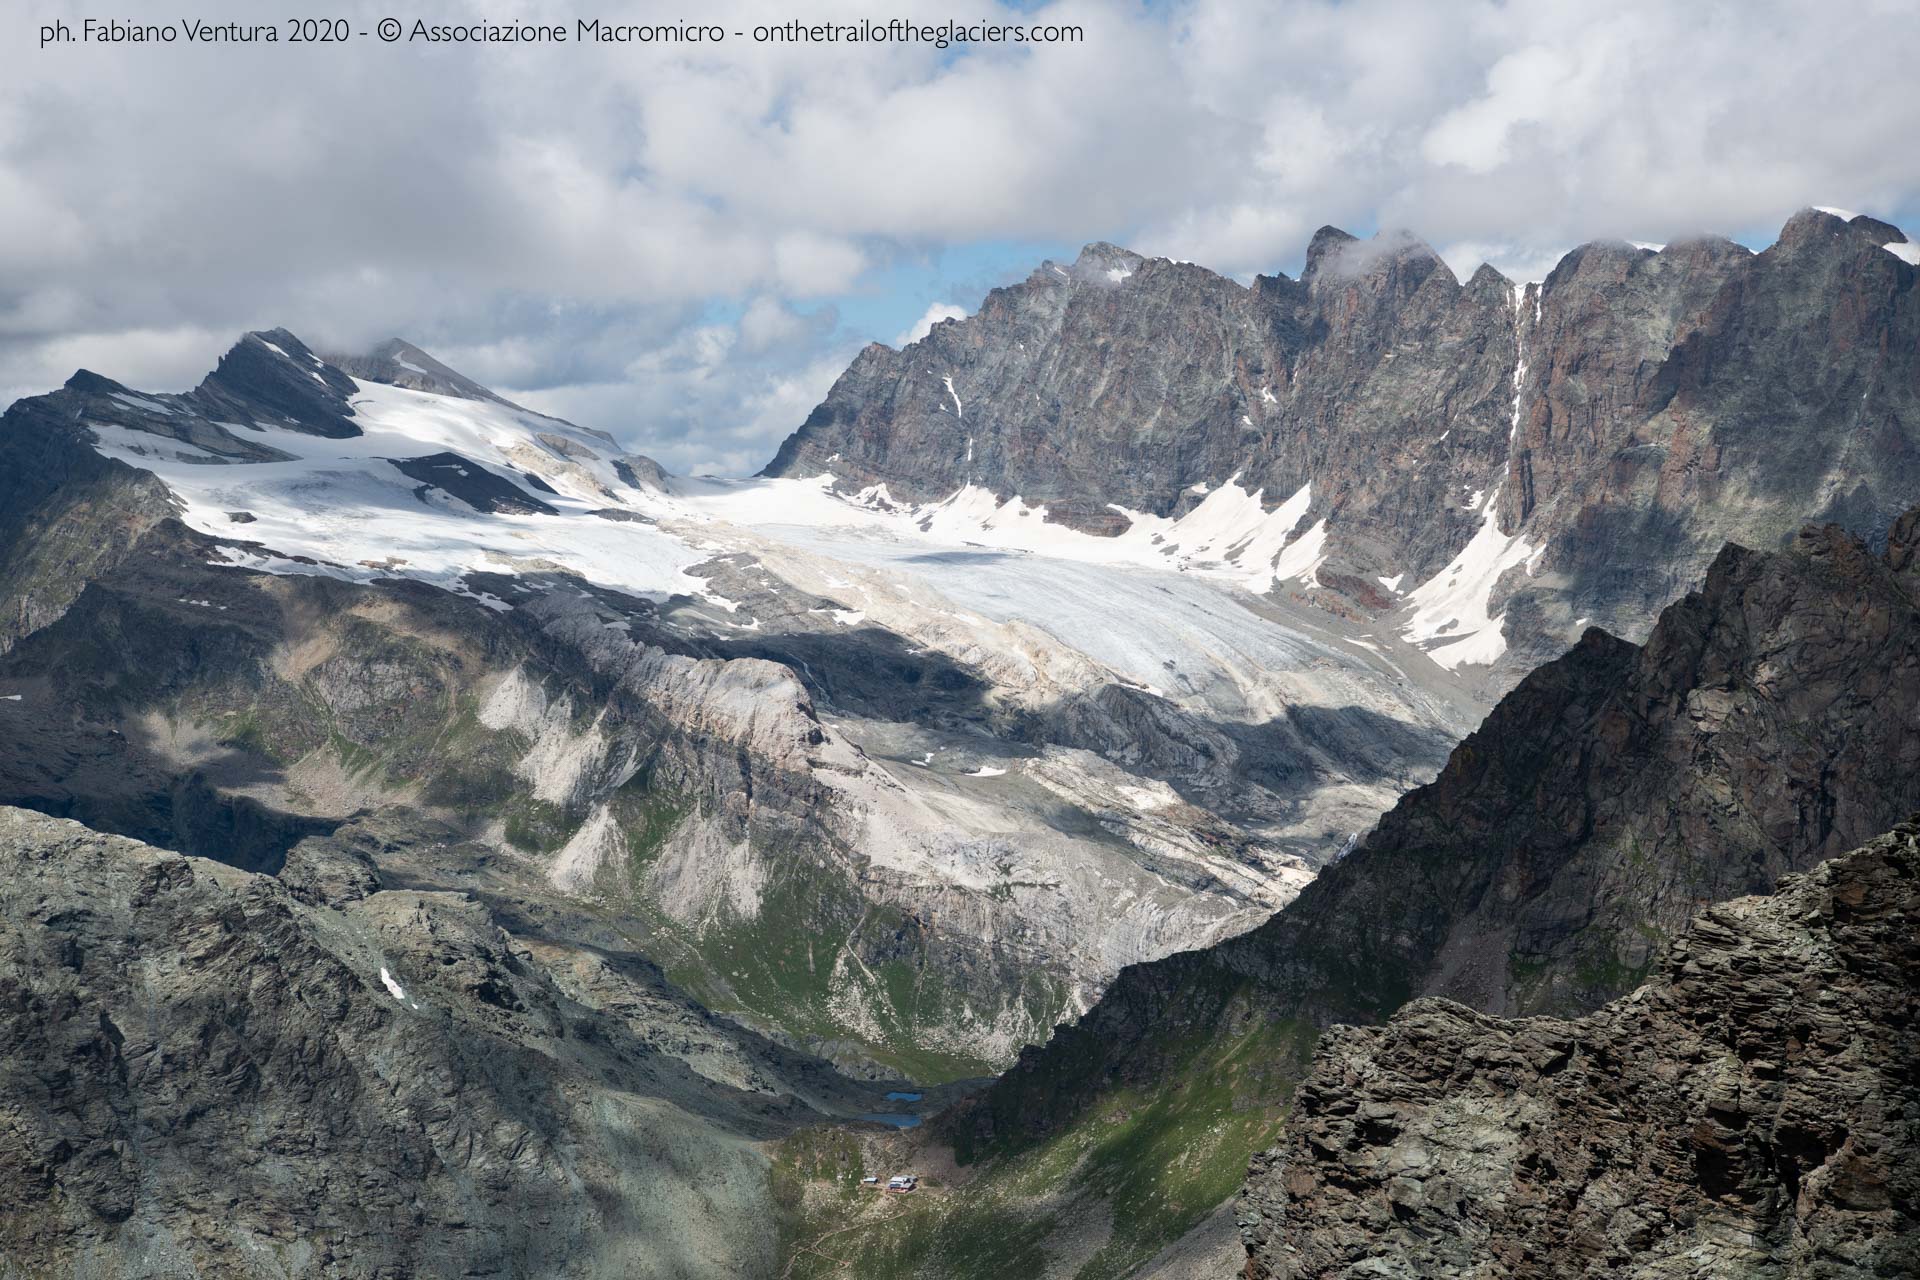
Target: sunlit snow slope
(440, 486)
(443, 484)
(387, 501)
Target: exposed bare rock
(272, 378)
(202, 1074)
(1771, 721)
(1211, 1251)
(66, 515)
(399, 363)
(1516, 460)
(1753, 1111)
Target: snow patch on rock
(1451, 615)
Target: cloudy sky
(685, 245)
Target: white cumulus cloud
(932, 316)
(671, 240)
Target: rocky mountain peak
(1327, 242)
(1706, 255)
(1103, 263)
(1814, 227)
(1488, 277)
(1878, 232)
(399, 363)
(1380, 258)
(87, 382)
(1597, 260)
(1810, 224)
(270, 376)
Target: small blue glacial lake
(897, 1096)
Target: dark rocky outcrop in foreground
(1753, 1111)
(210, 1072)
(1771, 721)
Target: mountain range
(657, 694)
(440, 838)
(1485, 466)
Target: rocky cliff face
(208, 1071)
(1489, 465)
(1751, 1111)
(66, 515)
(1770, 722)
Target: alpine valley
(1276, 776)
